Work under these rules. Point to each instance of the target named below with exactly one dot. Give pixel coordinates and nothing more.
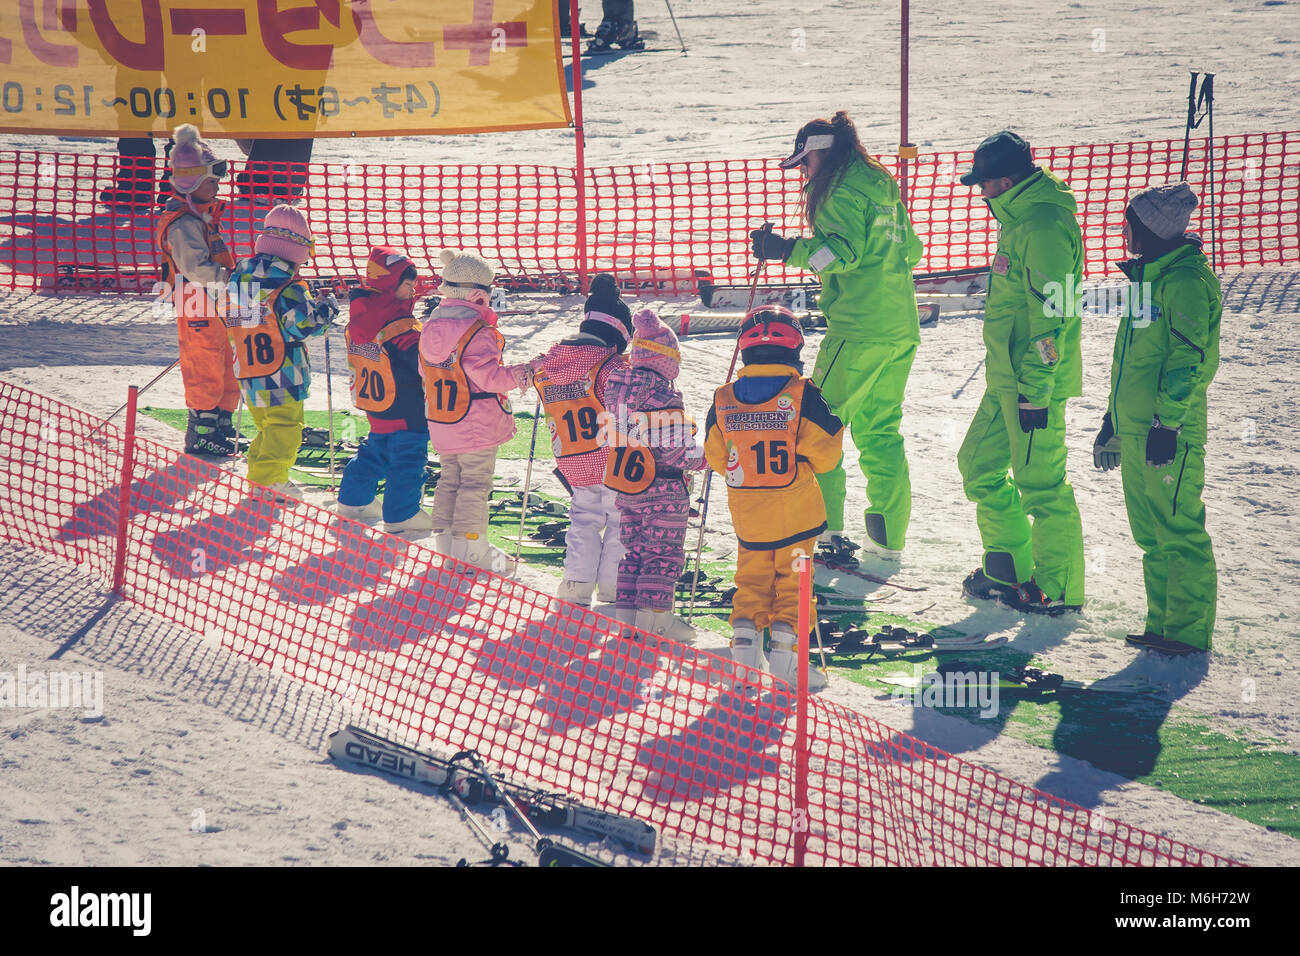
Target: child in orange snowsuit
(769, 433)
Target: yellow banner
(280, 68)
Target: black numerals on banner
(775, 459)
(629, 462)
(586, 424)
(372, 386)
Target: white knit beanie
(463, 272)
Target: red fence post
(124, 491)
(575, 30)
(801, 719)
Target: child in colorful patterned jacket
(269, 317)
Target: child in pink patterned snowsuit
(572, 381)
(654, 520)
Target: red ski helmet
(770, 333)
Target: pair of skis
(466, 780)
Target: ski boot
(747, 644)
(784, 660)
(369, 513)
(980, 586)
(665, 624)
(616, 32)
(837, 550)
(476, 550)
(1029, 598)
(417, 526)
(1149, 641)
(286, 493)
(576, 592)
(203, 435)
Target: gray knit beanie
(1165, 210)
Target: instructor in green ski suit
(1166, 353)
(1031, 333)
(863, 249)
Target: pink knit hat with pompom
(654, 346)
(191, 160)
(285, 234)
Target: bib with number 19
(574, 411)
(762, 437)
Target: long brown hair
(837, 161)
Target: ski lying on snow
(834, 566)
(355, 747)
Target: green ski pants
(863, 384)
(1051, 552)
(1167, 516)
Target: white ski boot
(784, 662)
(441, 541)
(417, 526)
(286, 493)
(576, 592)
(747, 644)
(626, 616)
(665, 624)
(370, 513)
(475, 549)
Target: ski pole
(675, 27)
(542, 846)
(329, 402)
(528, 477)
(817, 629)
(1207, 94)
(708, 478)
(1191, 123)
(500, 851)
(139, 391)
(239, 421)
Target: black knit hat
(606, 315)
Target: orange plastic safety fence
(657, 225)
(451, 656)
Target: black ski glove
(1162, 444)
(768, 245)
(1105, 447)
(1031, 416)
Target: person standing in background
(863, 249)
(1012, 460)
(1166, 354)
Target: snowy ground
(251, 753)
(1252, 487)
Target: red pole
(801, 719)
(124, 491)
(575, 31)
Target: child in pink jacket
(572, 379)
(469, 416)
